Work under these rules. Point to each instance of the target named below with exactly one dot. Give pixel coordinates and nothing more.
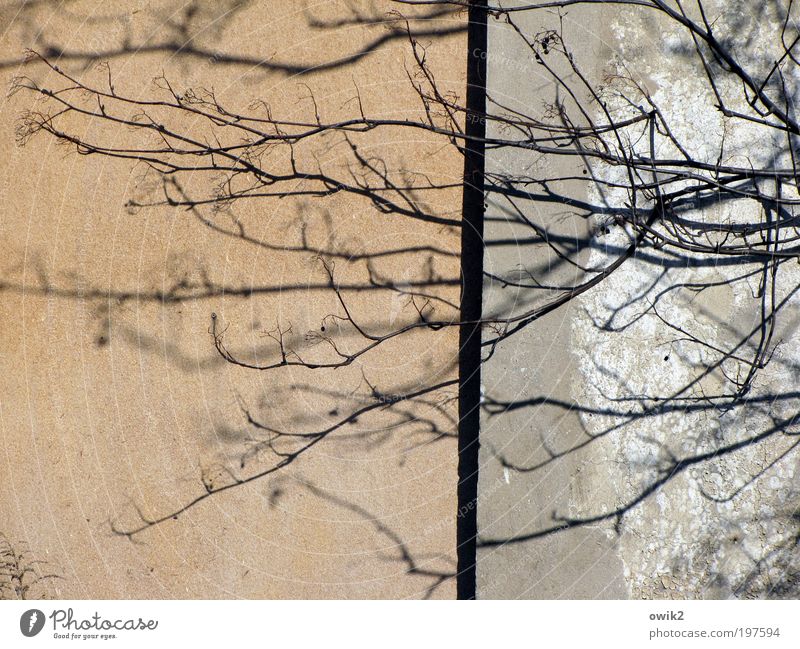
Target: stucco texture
(114, 403)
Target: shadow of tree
(657, 219)
(189, 30)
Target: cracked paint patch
(647, 342)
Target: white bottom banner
(379, 625)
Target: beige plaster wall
(113, 399)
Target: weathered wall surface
(522, 484)
(628, 385)
(115, 405)
(113, 397)
(726, 527)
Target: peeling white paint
(714, 532)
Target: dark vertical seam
(469, 361)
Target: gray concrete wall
(572, 426)
(522, 486)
